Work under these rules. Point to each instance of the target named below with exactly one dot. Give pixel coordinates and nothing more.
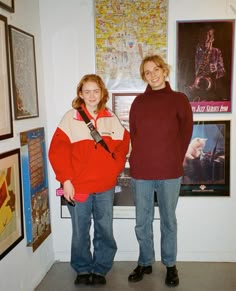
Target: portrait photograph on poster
(24, 77)
(6, 124)
(205, 64)
(11, 209)
(207, 160)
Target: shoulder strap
(94, 133)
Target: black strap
(94, 133)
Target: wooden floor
(194, 276)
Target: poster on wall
(205, 64)
(6, 125)
(207, 161)
(126, 31)
(11, 214)
(24, 75)
(35, 185)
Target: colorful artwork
(207, 163)
(35, 182)
(126, 31)
(11, 216)
(205, 64)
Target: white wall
(22, 269)
(206, 225)
(65, 51)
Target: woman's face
(91, 94)
(154, 75)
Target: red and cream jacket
(74, 155)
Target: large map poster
(126, 31)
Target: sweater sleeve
(186, 124)
(121, 151)
(60, 156)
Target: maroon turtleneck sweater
(161, 123)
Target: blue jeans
(167, 197)
(100, 207)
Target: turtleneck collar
(167, 89)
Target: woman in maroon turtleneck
(161, 123)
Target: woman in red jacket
(88, 173)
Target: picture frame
(24, 77)
(123, 200)
(121, 103)
(11, 212)
(6, 124)
(8, 5)
(35, 184)
(207, 160)
(204, 64)
(122, 39)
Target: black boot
(138, 272)
(172, 278)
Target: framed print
(121, 103)
(11, 216)
(205, 64)
(207, 160)
(127, 31)
(24, 79)
(8, 5)
(35, 184)
(6, 127)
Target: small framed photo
(207, 160)
(121, 103)
(11, 215)
(24, 77)
(8, 5)
(6, 126)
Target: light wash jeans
(100, 207)
(167, 197)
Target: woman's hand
(69, 190)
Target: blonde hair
(78, 101)
(158, 61)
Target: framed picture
(121, 103)
(207, 160)
(6, 127)
(123, 201)
(11, 216)
(25, 92)
(35, 184)
(126, 31)
(8, 5)
(205, 64)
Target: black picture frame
(8, 5)
(204, 63)
(6, 124)
(207, 161)
(11, 210)
(24, 76)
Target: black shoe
(172, 278)
(98, 279)
(82, 279)
(137, 274)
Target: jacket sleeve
(60, 156)
(122, 150)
